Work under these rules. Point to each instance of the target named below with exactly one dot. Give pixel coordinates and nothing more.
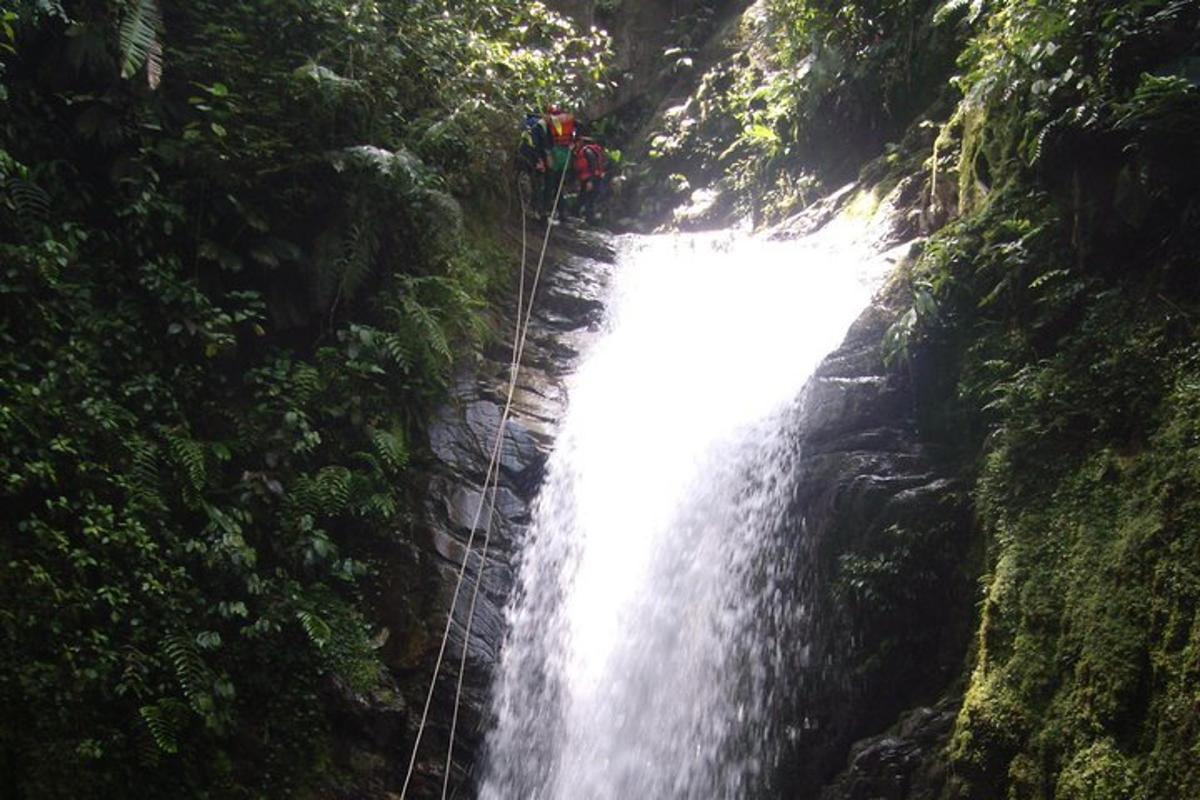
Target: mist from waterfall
(645, 646)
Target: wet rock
(467, 506)
(706, 208)
(567, 312)
(366, 727)
(814, 216)
(518, 450)
(904, 764)
(883, 530)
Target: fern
(317, 629)
(397, 350)
(134, 675)
(429, 325)
(333, 486)
(141, 41)
(306, 383)
(190, 670)
(1164, 103)
(302, 499)
(951, 7)
(1044, 136)
(425, 328)
(31, 203)
(163, 720)
(189, 457)
(341, 276)
(381, 505)
(342, 639)
(358, 257)
(391, 448)
(143, 477)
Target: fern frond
(333, 484)
(317, 629)
(144, 478)
(397, 350)
(189, 457)
(190, 669)
(303, 498)
(391, 448)
(358, 256)
(163, 720)
(140, 41)
(428, 327)
(30, 201)
(346, 259)
(306, 382)
(381, 505)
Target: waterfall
(646, 643)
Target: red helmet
(553, 109)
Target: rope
(519, 340)
(519, 352)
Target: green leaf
(318, 631)
(140, 42)
(208, 640)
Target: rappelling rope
(519, 353)
(492, 476)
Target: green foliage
(1057, 327)
(1042, 81)
(813, 90)
(140, 42)
(235, 270)
(1090, 638)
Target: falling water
(645, 638)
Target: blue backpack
(533, 140)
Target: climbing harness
(491, 479)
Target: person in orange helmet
(560, 126)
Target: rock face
(901, 764)
(643, 31)
(884, 582)
(567, 311)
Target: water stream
(648, 630)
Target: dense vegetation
(1062, 314)
(808, 91)
(240, 248)
(241, 244)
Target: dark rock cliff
(417, 589)
(875, 506)
(885, 550)
(885, 577)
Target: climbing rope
(519, 352)
(491, 478)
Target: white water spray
(644, 644)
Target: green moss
(1099, 772)
(1086, 677)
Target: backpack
(533, 141)
(590, 161)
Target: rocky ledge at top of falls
(422, 566)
